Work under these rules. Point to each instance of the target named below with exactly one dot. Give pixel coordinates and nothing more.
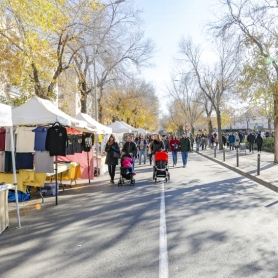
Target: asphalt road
(218, 224)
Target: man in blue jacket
(231, 140)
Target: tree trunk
(218, 116)
(100, 108)
(37, 85)
(275, 98)
(209, 125)
(83, 100)
(269, 124)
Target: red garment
(2, 139)
(172, 142)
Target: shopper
(149, 149)
(231, 141)
(174, 147)
(156, 146)
(237, 140)
(130, 148)
(259, 141)
(184, 148)
(191, 138)
(251, 140)
(198, 142)
(142, 146)
(166, 143)
(113, 154)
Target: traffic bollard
(237, 158)
(259, 164)
(215, 152)
(223, 154)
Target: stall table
(67, 172)
(103, 168)
(4, 209)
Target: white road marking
(163, 250)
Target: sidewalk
(248, 165)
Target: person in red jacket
(174, 148)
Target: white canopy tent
(142, 131)
(118, 127)
(6, 121)
(92, 123)
(41, 111)
(128, 126)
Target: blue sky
(165, 22)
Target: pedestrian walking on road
(166, 143)
(157, 145)
(237, 140)
(142, 146)
(149, 149)
(191, 138)
(198, 142)
(130, 148)
(174, 147)
(231, 141)
(112, 149)
(251, 140)
(259, 141)
(185, 148)
(224, 140)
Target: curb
(253, 178)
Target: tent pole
(88, 167)
(15, 178)
(56, 179)
(97, 152)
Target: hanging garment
(87, 141)
(56, 140)
(43, 162)
(2, 139)
(40, 138)
(2, 161)
(8, 162)
(71, 142)
(25, 140)
(8, 145)
(78, 146)
(24, 161)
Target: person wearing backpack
(174, 148)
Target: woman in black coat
(112, 148)
(259, 141)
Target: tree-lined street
(219, 224)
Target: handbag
(116, 154)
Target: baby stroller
(161, 166)
(126, 172)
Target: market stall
(133, 129)
(98, 157)
(141, 131)
(6, 121)
(39, 111)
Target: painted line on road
(163, 250)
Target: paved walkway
(248, 165)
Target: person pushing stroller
(130, 148)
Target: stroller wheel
(168, 176)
